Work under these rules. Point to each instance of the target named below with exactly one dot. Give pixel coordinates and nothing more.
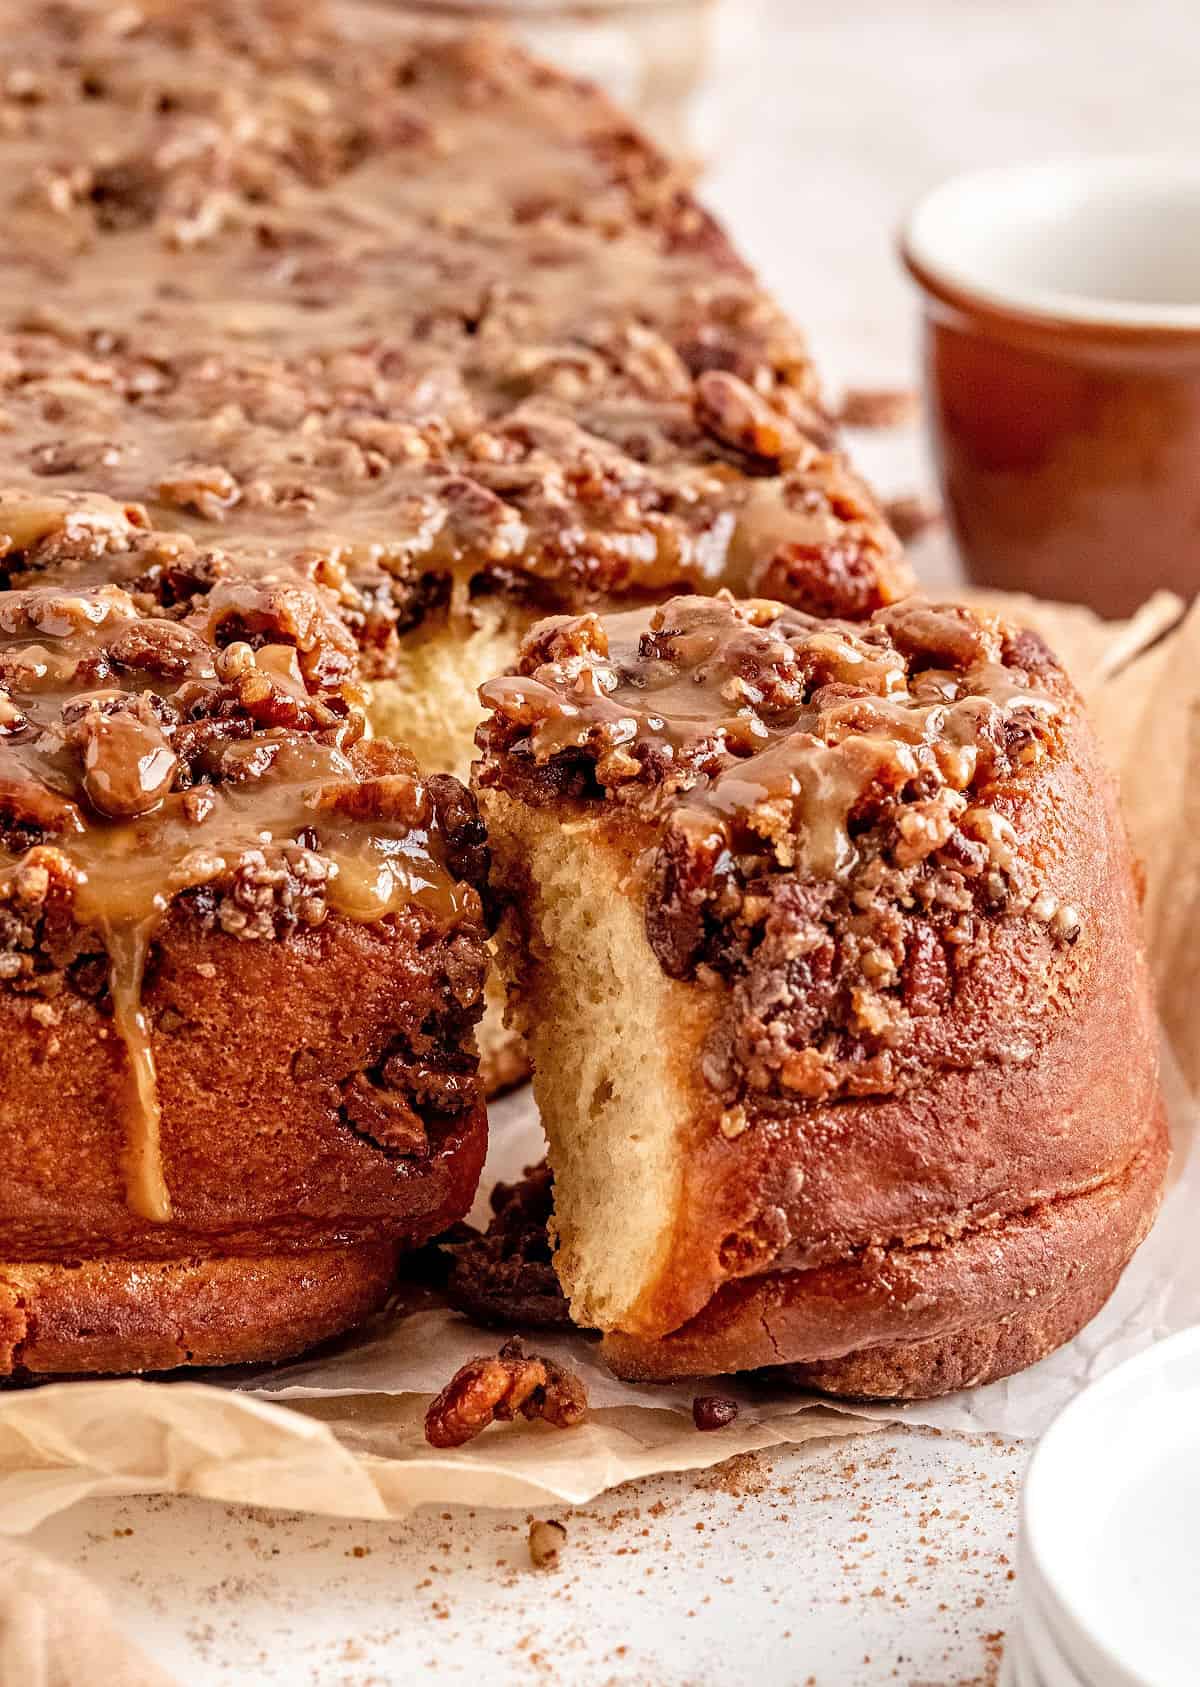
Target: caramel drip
(821, 784)
(145, 1181)
(127, 875)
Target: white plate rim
(1089, 1652)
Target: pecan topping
(830, 809)
(523, 424)
(487, 1390)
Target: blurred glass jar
(683, 68)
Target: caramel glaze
(747, 718)
(141, 758)
(413, 320)
(827, 815)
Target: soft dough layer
(430, 701)
(600, 1020)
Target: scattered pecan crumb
(744, 1476)
(735, 1121)
(506, 1275)
(879, 407)
(911, 516)
(1065, 924)
(546, 1540)
(489, 1390)
(713, 1411)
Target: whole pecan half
(491, 1390)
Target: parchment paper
(341, 1432)
(57, 1629)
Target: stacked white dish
(1109, 1557)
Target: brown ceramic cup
(1062, 366)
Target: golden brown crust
(120, 1315)
(270, 1056)
(906, 1322)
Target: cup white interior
(1100, 240)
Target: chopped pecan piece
(913, 515)
(207, 488)
(742, 419)
(157, 647)
(266, 611)
(493, 1390)
(128, 765)
(831, 576)
(559, 637)
(713, 1411)
(457, 813)
(546, 1540)
(401, 796)
(272, 892)
(506, 1275)
(385, 1118)
(942, 635)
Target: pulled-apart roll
(825, 940)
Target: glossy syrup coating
(417, 320)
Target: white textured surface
(887, 1561)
